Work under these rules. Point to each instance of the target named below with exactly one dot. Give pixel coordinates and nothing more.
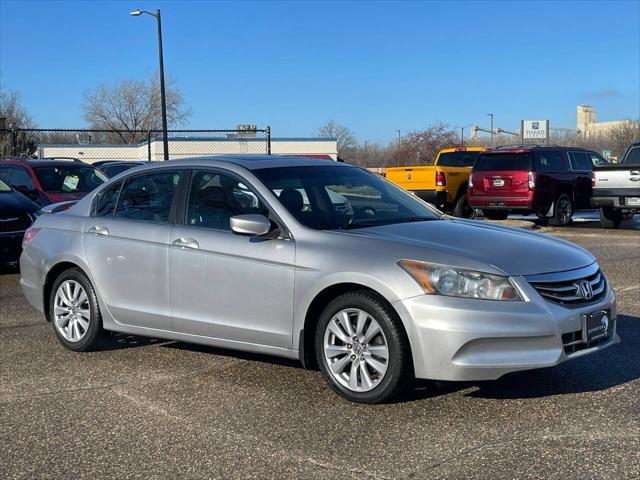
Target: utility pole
(398, 151)
(365, 154)
(491, 127)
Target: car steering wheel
(362, 212)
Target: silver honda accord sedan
(317, 261)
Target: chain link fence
(99, 145)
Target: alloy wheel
(564, 210)
(356, 350)
(71, 311)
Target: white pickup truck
(616, 188)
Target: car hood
(14, 203)
(512, 250)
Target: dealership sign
(535, 130)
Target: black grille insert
(565, 288)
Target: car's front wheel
(362, 348)
(74, 311)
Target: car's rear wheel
(562, 211)
(463, 209)
(362, 348)
(74, 311)
(496, 214)
(609, 218)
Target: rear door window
(504, 162)
(549, 161)
(580, 161)
(633, 157)
(457, 159)
(148, 197)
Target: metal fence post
(149, 146)
(14, 143)
(268, 140)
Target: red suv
(550, 181)
(47, 181)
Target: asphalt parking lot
(144, 408)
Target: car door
(127, 246)
(581, 167)
(225, 285)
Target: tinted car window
(215, 197)
(597, 159)
(69, 179)
(4, 174)
(504, 162)
(334, 197)
(113, 170)
(105, 202)
(458, 159)
(633, 156)
(549, 161)
(4, 187)
(580, 161)
(19, 176)
(148, 197)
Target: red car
(47, 181)
(551, 182)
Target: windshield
(503, 162)
(4, 187)
(69, 179)
(457, 159)
(332, 197)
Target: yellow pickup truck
(443, 184)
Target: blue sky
(373, 66)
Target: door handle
(189, 243)
(99, 230)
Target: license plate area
(596, 326)
(498, 182)
(633, 201)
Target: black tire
(399, 373)
(609, 218)
(496, 214)
(543, 220)
(463, 209)
(94, 331)
(562, 211)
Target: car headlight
(457, 282)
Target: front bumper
(460, 339)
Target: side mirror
(251, 225)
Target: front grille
(573, 342)
(564, 287)
(15, 223)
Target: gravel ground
(144, 408)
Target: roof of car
(256, 162)
(529, 147)
(49, 162)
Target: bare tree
(422, 146)
(12, 110)
(132, 107)
(345, 138)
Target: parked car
(616, 188)
(47, 181)
(17, 213)
(443, 184)
(374, 295)
(550, 181)
(111, 169)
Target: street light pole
(163, 101)
(462, 133)
(398, 152)
(491, 127)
